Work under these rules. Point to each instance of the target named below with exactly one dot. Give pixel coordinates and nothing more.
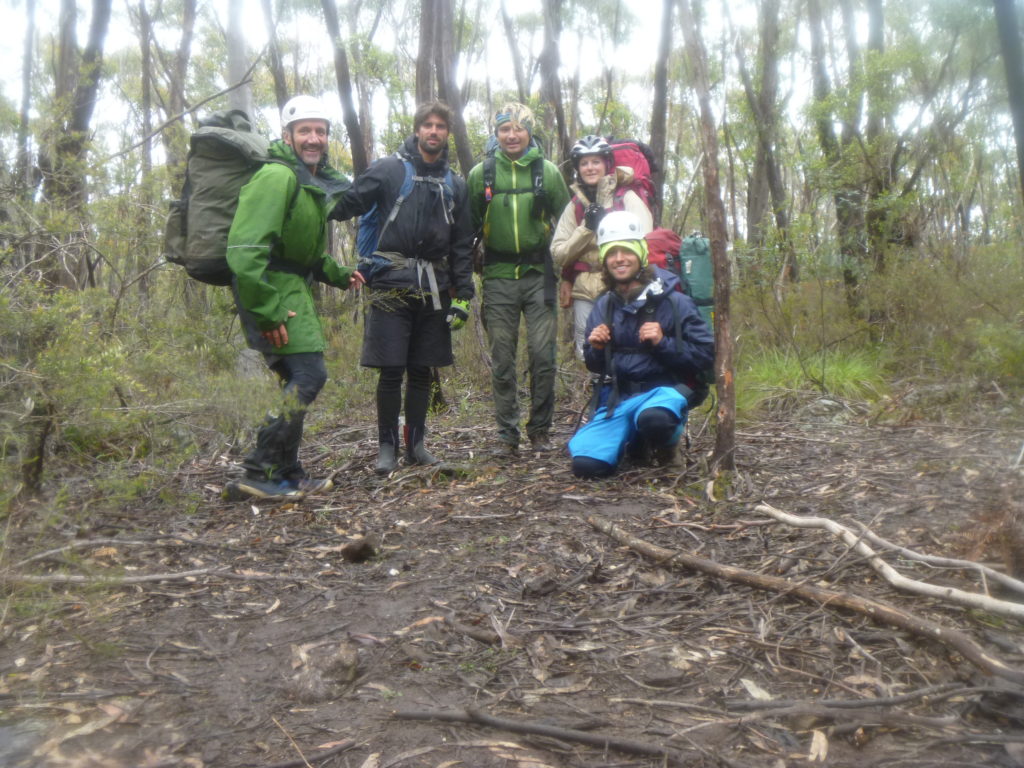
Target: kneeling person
(649, 343)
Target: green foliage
(775, 379)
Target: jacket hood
(658, 289)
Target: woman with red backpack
(600, 186)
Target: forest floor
(474, 614)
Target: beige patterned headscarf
(514, 112)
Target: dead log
(876, 610)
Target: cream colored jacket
(575, 243)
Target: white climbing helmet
(618, 225)
(303, 108)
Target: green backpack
(697, 275)
(224, 153)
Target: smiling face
(622, 264)
(513, 139)
(309, 140)
(591, 169)
(431, 137)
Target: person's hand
(278, 336)
(600, 337)
(592, 216)
(565, 294)
(605, 191)
(458, 314)
(356, 280)
(651, 332)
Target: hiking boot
(307, 485)
(387, 461)
(248, 488)
(505, 449)
(667, 456)
(541, 442)
(415, 453)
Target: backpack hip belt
(422, 267)
(507, 257)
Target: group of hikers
(645, 342)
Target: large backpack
(224, 153)
(372, 229)
(690, 259)
(636, 155)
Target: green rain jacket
(508, 224)
(277, 247)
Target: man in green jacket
(276, 248)
(514, 198)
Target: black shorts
(402, 329)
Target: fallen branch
(116, 581)
(930, 694)
(973, 600)
(874, 609)
(313, 759)
(475, 717)
(991, 574)
(870, 717)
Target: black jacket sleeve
(460, 260)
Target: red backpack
(638, 156)
(663, 249)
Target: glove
(592, 216)
(458, 314)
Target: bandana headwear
(515, 113)
(639, 247)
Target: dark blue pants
(276, 455)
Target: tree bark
(274, 56)
(360, 161)
(659, 107)
(551, 85)
(427, 54)
(25, 171)
(1013, 62)
(517, 58)
(847, 196)
(238, 59)
(77, 81)
(449, 92)
(724, 456)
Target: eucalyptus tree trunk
(764, 106)
(660, 106)
(1013, 62)
(175, 134)
(724, 457)
(360, 161)
(846, 193)
(426, 85)
(274, 56)
(551, 85)
(63, 160)
(25, 170)
(238, 59)
(444, 64)
(516, 56)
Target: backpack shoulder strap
(490, 170)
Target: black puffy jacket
(421, 229)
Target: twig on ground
(874, 609)
(895, 578)
(472, 716)
(944, 562)
(115, 581)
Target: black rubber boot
(415, 453)
(387, 451)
